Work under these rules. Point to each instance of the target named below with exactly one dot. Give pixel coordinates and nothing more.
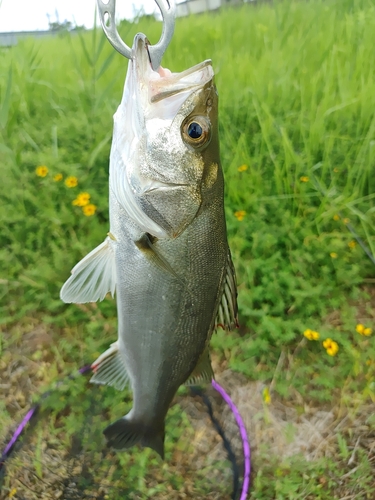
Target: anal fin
(93, 277)
(109, 369)
(203, 372)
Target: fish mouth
(187, 81)
(159, 85)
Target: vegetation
(297, 94)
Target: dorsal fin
(227, 312)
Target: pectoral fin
(93, 277)
(227, 312)
(203, 372)
(145, 244)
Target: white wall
(196, 6)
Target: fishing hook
(107, 14)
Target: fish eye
(196, 131)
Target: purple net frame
(244, 438)
(241, 426)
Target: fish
(166, 256)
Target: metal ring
(168, 12)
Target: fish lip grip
(107, 14)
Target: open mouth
(188, 80)
(163, 83)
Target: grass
(296, 86)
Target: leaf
(5, 105)
(96, 151)
(85, 51)
(105, 65)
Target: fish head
(165, 149)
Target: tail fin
(125, 433)
(154, 439)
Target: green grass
(297, 94)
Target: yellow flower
(331, 347)
(311, 335)
(89, 209)
(71, 182)
(57, 177)
(352, 244)
(327, 343)
(82, 200)
(12, 493)
(333, 255)
(266, 396)
(240, 214)
(307, 334)
(336, 217)
(304, 178)
(360, 328)
(242, 168)
(41, 171)
(336, 170)
(346, 220)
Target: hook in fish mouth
(107, 14)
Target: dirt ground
(277, 427)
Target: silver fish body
(166, 254)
